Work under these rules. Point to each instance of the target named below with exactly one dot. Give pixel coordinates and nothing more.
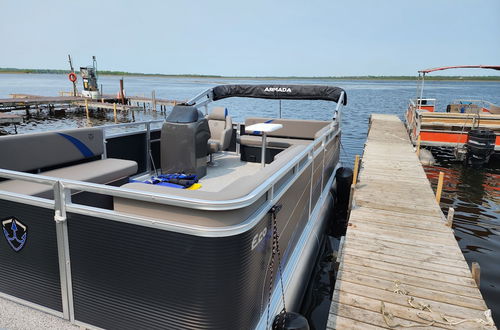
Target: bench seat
(293, 132)
(102, 171)
(272, 142)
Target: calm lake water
(474, 193)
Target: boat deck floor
(226, 168)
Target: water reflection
(475, 196)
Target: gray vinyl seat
(103, 171)
(272, 142)
(293, 132)
(47, 150)
(221, 126)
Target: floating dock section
(400, 265)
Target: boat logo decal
(260, 239)
(15, 233)
(278, 89)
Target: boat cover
(294, 92)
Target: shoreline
(119, 73)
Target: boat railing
(126, 129)
(481, 103)
(273, 188)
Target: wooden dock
(107, 106)
(143, 99)
(9, 118)
(400, 265)
(20, 103)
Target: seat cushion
(272, 142)
(213, 146)
(294, 128)
(45, 149)
(100, 171)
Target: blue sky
(256, 38)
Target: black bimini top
(292, 92)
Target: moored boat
(469, 128)
(98, 227)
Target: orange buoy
(72, 77)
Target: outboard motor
(184, 138)
(480, 146)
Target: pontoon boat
(470, 128)
(93, 234)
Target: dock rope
(445, 320)
(276, 252)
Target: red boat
(471, 128)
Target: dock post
(355, 171)
(153, 100)
(439, 187)
(476, 272)
(122, 93)
(418, 146)
(114, 112)
(351, 196)
(87, 108)
(449, 218)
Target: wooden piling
(153, 100)
(418, 145)
(351, 196)
(439, 187)
(355, 171)
(122, 93)
(476, 273)
(87, 108)
(114, 113)
(449, 218)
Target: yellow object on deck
(195, 186)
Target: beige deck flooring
(226, 169)
(397, 239)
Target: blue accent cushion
(86, 152)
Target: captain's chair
(221, 127)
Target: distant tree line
(124, 73)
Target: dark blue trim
(86, 152)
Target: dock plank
(406, 315)
(397, 239)
(8, 118)
(458, 290)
